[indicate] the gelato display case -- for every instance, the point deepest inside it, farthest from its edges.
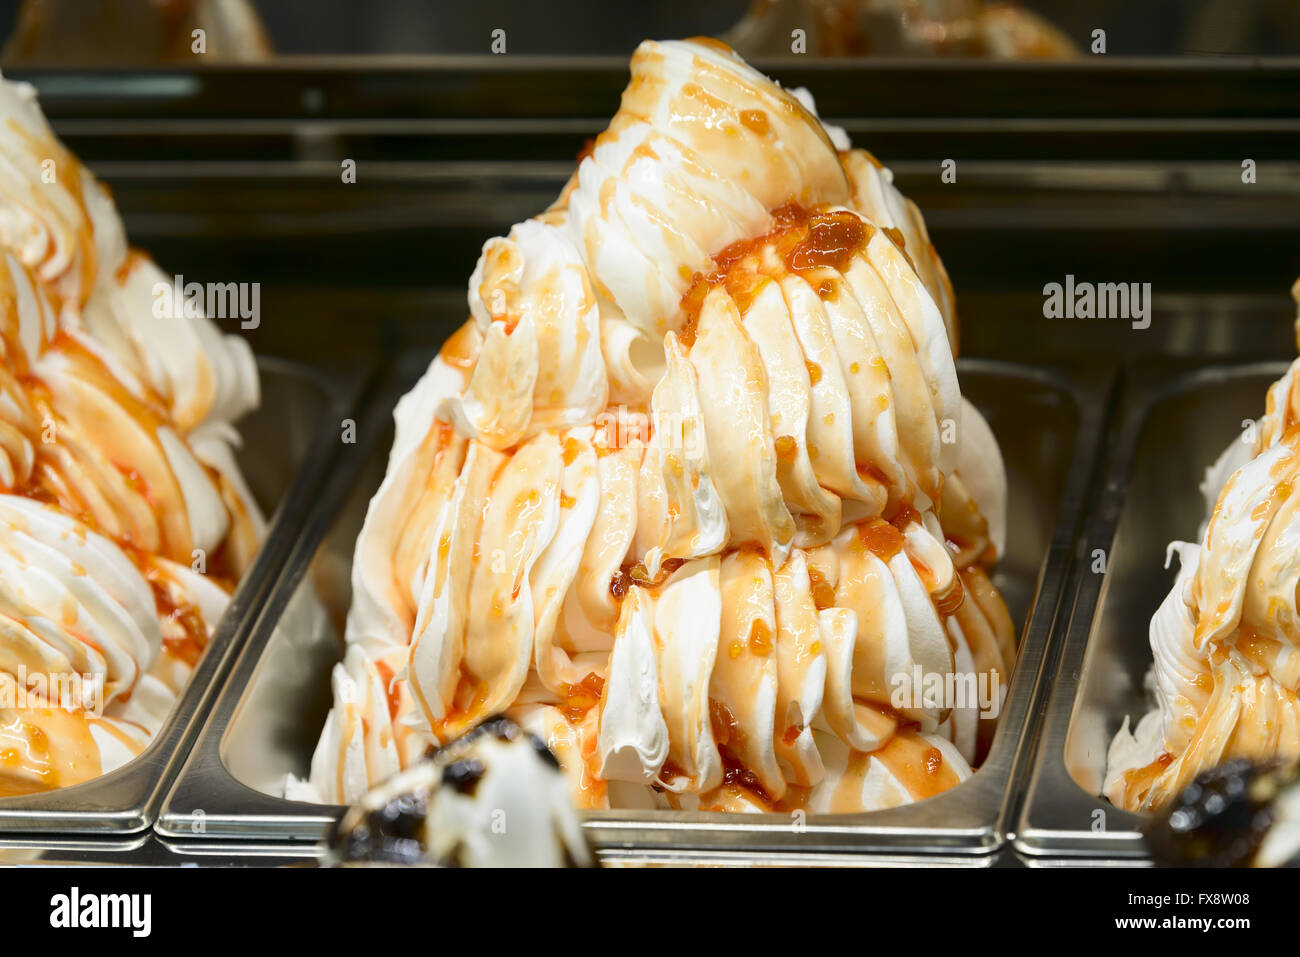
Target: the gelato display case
(232, 787)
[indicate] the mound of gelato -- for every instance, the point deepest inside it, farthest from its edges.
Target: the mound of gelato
(693, 495)
(1226, 658)
(124, 520)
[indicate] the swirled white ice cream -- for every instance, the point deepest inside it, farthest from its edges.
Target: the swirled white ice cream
(1226, 640)
(123, 517)
(694, 494)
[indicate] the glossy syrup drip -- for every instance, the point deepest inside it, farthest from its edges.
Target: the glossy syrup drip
(44, 748)
(806, 242)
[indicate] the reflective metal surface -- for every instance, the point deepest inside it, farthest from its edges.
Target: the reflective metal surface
(266, 721)
(293, 432)
(144, 850)
(1171, 432)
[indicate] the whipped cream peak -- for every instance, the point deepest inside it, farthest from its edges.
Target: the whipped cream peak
(694, 486)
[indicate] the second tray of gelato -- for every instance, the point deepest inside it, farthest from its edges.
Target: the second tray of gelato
(1225, 667)
(124, 518)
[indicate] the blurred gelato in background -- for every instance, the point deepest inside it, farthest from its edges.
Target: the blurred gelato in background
(967, 28)
(133, 33)
(85, 33)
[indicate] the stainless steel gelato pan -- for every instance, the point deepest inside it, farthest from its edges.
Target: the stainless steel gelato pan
(268, 717)
(294, 432)
(1170, 432)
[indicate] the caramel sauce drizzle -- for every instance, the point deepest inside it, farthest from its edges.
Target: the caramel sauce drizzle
(47, 748)
(806, 242)
(816, 244)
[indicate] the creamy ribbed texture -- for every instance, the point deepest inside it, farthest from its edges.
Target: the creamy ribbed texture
(123, 518)
(681, 495)
(1226, 641)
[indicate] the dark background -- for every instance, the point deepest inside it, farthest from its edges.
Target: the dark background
(336, 27)
(1106, 168)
